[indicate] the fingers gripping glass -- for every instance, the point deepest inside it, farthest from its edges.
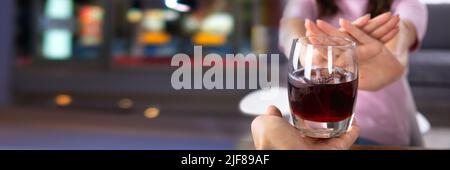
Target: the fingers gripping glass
(323, 83)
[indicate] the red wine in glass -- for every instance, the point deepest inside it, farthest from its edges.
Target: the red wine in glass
(325, 97)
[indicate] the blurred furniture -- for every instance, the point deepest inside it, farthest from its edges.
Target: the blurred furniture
(6, 50)
(429, 73)
(430, 65)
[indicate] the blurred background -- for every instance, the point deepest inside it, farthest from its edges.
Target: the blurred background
(95, 74)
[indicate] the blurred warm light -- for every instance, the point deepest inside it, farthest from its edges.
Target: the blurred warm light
(151, 112)
(125, 103)
(134, 15)
(204, 38)
(154, 38)
(63, 100)
(154, 20)
(91, 20)
(218, 23)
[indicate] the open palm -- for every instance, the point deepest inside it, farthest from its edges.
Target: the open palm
(371, 52)
(271, 131)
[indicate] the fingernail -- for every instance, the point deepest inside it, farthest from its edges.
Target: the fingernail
(368, 15)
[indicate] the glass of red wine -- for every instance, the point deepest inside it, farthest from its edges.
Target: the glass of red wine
(322, 85)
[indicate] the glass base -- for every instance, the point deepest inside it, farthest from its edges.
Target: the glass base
(321, 129)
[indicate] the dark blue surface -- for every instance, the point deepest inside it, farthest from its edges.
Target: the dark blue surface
(102, 141)
(6, 49)
(362, 141)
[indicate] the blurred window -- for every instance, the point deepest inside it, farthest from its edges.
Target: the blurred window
(138, 31)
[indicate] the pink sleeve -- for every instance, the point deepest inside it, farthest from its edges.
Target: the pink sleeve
(416, 13)
(304, 9)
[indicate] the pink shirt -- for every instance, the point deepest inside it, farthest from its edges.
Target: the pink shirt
(386, 116)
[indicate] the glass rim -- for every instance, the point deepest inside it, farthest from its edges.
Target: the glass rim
(350, 43)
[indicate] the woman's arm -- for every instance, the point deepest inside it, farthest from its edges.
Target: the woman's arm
(378, 67)
(413, 25)
(290, 28)
(402, 43)
(392, 62)
(294, 27)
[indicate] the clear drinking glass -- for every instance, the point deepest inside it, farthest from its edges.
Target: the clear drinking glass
(323, 84)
